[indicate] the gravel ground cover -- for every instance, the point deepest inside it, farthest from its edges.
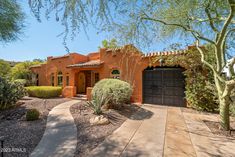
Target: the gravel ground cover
(20, 135)
(90, 136)
(214, 126)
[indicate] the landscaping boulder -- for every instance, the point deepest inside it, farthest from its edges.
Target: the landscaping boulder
(99, 120)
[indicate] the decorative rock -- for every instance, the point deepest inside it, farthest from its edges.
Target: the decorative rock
(99, 120)
(105, 107)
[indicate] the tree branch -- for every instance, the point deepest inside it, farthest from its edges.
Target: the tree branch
(207, 10)
(229, 86)
(207, 63)
(212, 18)
(227, 22)
(221, 39)
(231, 64)
(180, 26)
(228, 32)
(224, 40)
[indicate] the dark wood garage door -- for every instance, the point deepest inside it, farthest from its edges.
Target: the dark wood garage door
(164, 86)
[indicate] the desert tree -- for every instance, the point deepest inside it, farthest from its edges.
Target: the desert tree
(11, 20)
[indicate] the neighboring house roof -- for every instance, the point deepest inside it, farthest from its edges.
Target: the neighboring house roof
(36, 66)
(58, 57)
(164, 53)
(92, 63)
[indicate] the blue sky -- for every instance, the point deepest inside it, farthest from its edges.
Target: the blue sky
(41, 40)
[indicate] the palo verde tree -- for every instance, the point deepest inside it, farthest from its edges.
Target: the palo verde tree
(11, 20)
(143, 22)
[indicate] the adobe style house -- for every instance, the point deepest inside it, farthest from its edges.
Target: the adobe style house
(77, 74)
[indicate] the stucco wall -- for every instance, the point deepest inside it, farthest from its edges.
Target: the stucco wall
(129, 62)
(54, 65)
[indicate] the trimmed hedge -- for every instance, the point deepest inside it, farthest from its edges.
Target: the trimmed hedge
(44, 91)
(117, 92)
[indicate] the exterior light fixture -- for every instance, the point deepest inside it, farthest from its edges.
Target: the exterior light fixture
(162, 62)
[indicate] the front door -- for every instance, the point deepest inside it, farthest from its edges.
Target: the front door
(81, 83)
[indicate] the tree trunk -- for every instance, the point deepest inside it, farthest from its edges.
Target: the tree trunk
(224, 102)
(224, 113)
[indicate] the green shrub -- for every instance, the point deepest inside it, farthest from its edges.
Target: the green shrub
(23, 82)
(198, 93)
(44, 91)
(32, 114)
(115, 91)
(10, 93)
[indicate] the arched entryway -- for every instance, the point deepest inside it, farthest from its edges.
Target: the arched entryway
(164, 86)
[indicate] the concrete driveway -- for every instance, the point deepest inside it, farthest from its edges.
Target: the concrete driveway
(165, 131)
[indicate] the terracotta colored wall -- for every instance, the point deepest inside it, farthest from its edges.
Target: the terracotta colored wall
(94, 56)
(69, 91)
(54, 65)
(130, 65)
(88, 93)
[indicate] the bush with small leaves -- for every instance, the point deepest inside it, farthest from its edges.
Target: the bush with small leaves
(116, 91)
(23, 82)
(198, 94)
(10, 93)
(32, 114)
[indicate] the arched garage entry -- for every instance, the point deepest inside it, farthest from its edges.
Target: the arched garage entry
(164, 86)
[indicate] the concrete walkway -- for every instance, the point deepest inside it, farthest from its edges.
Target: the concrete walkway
(205, 143)
(156, 131)
(142, 135)
(60, 136)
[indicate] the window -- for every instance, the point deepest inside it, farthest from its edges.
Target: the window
(37, 80)
(52, 79)
(97, 77)
(115, 74)
(60, 79)
(67, 80)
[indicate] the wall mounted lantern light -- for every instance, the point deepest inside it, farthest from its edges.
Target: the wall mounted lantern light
(162, 62)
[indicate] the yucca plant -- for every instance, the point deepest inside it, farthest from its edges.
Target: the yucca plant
(97, 102)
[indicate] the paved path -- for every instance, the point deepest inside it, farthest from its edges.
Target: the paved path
(60, 136)
(156, 131)
(205, 143)
(142, 135)
(177, 139)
